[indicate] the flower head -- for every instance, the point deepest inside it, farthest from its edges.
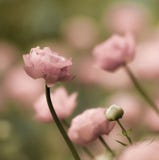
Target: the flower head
(114, 112)
(63, 103)
(44, 63)
(89, 125)
(115, 52)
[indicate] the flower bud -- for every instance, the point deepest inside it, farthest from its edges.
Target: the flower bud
(114, 112)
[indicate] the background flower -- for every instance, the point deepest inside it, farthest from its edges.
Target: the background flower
(63, 103)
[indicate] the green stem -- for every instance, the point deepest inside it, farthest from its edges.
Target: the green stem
(124, 131)
(106, 146)
(59, 125)
(85, 149)
(141, 90)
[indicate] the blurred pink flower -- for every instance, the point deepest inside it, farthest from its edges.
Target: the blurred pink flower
(89, 74)
(63, 103)
(8, 56)
(44, 63)
(146, 63)
(89, 125)
(132, 108)
(147, 150)
(115, 52)
(80, 32)
(126, 17)
(151, 119)
(19, 86)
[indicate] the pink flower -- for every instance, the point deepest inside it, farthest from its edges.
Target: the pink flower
(20, 87)
(44, 63)
(123, 17)
(89, 125)
(151, 119)
(147, 150)
(146, 63)
(89, 74)
(63, 103)
(80, 32)
(115, 52)
(8, 56)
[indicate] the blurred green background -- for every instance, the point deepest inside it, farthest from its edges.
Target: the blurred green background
(26, 24)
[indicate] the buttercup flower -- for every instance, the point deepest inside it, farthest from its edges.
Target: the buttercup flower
(89, 125)
(47, 64)
(63, 103)
(115, 52)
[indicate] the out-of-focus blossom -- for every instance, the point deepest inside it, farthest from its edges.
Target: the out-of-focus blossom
(151, 119)
(115, 52)
(7, 56)
(44, 63)
(63, 103)
(81, 32)
(89, 125)
(147, 150)
(146, 62)
(89, 74)
(132, 108)
(126, 18)
(19, 86)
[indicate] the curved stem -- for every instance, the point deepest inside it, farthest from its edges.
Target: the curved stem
(106, 145)
(124, 131)
(59, 125)
(141, 90)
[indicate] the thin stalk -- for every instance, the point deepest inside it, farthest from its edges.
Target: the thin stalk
(106, 146)
(59, 125)
(141, 90)
(85, 149)
(124, 131)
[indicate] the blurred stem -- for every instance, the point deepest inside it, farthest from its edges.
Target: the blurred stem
(106, 146)
(141, 90)
(59, 125)
(85, 149)
(124, 132)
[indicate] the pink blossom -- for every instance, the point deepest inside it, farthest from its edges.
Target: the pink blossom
(151, 119)
(44, 63)
(124, 17)
(90, 74)
(8, 56)
(80, 32)
(89, 125)
(115, 52)
(19, 86)
(63, 103)
(146, 63)
(147, 150)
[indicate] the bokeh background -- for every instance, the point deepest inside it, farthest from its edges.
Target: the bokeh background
(72, 28)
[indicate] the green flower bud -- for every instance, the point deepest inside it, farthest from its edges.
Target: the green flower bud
(114, 112)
